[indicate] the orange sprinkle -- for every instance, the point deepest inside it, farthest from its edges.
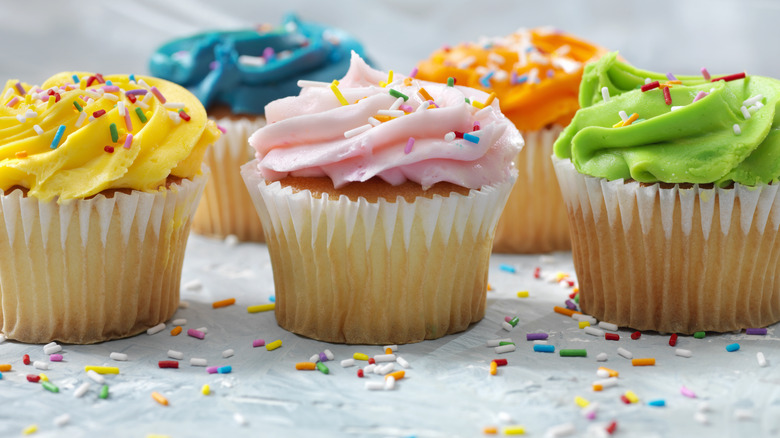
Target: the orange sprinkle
(612, 373)
(493, 368)
(490, 98)
(176, 330)
(565, 311)
(631, 119)
(576, 290)
(159, 398)
(305, 366)
(388, 351)
(21, 154)
(490, 430)
(223, 303)
(489, 287)
(408, 82)
(597, 387)
(397, 375)
(383, 118)
(5, 367)
(643, 362)
(425, 94)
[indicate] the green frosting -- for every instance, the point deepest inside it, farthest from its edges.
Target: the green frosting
(693, 144)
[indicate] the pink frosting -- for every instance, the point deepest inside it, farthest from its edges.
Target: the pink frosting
(305, 134)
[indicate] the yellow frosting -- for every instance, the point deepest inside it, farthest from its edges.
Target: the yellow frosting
(81, 163)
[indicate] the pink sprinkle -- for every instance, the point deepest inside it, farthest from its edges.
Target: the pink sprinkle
(409, 145)
(13, 102)
(477, 126)
(591, 415)
(55, 357)
(258, 343)
(212, 370)
(413, 73)
(700, 95)
(129, 139)
(20, 88)
(224, 131)
(196, 333)
(430, 102)
(405, 108)
(687, 392)
(110, 88)
(507, 318)
(268, 53)
(128, 123)
(705, 73)
(159, 95)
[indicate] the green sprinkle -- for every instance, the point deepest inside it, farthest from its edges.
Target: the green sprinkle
(141, 115)
(321, 366)
(78, 107)
(577, 298)
(506, 343)
(699, 335)
(450, 82)
(574, 353)
(114, 133)
(514, 321)
(50, 386)
(396, 93)
(104, 392)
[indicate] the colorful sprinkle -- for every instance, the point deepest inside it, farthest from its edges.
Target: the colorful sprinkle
(667, 96)
(157, 94)
(580, 352)
(523, 294)
(650, 86)
(58, 136)
(176, 331)
(196, 333)
(258, 343)
(305, 366)
(636, 335)
(756, 331)
(450, 82)
(103, 392)
(643, 362)
(274, 345)
(223, 303)
(542, 348)
(396, 93)
(129, 138)
(261, 308)
(335, 89)
(732, 347)
(728, 78)
(705, 73)
(700, 95)
(159, 398)
(101, 369)
(109, 149)
(409, 145)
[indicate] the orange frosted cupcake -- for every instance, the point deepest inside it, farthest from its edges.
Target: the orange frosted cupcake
(535, 74)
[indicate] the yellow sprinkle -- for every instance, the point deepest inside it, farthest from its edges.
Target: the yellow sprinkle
(522, 294)
(490, 98)
(477, 104)
(514, 430)
(43, 377)
(618, 124)
(102, 370)
(424, 93)
(261, 308)
(383, 118)
(584, 324)
(632, 397)
(338, 94)
(493, 368)
(83, 85)
(28, 98)
(159, 398)
(382, 84)
(390, 77)
(581, 402)
(52, 99)
(560, 276)
(29, 430)
(274, 345)
(335, 82)
(360, 356)
(205, 390)
(576, 289)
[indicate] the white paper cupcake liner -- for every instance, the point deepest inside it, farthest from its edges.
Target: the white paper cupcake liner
(534, 219)
(91, 270)
(679, 259)
(226, 208)
(377, 272)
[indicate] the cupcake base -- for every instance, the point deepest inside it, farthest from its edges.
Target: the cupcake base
(383, 272)
(674, 259)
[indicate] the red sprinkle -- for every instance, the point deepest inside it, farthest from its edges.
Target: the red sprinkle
(650, 86)
(573, 294)
(131, 98)
(184, 115)
(360, 372)
(537, 272)
(109, 149)
(26, 359)
(100, 79)
(458, 134)
(611, 428)
(667, 96)
(98, 113)
(500, 362)
(728, 78)
(33, 378)
(90, 80)
(570, 283)
(612, 336)
(625, 399)
(168, 364)
(371, 361)
(636, 335)
(673, 340)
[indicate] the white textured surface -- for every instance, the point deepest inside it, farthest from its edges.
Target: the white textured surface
(447, 392)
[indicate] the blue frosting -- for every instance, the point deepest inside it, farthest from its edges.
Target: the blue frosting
(230, 68)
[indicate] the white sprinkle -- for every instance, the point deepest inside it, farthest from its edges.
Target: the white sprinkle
(623, 115)
(505, 349)
(227, 353)
(156, 329)
(745, 112)
(198, 362)
(389, 383)
(303, 84)
(495, 57)
(590, 319)
(111, 97)
(347, 363)
(391, 113)
(184, 304)
(753, 100)
(202, 329)
(761, 359)
(79, 122)
(142, 104)
(359, 130)
(533, 76)
(193, 285)
(753, 109)
(329, 354)
(120, 107)
(20, 118)
(49, 345)
(737, 131)
(504, 417)
(373, 122)
(41, 365)
(423, 106)
(384, 369)
(501, 75)
(174, 116)
(179, 321)
(368, 369)
(607, 383)
(92, 374)
(593, 331)
(450, 136)
(401, 361)
(743, 414)
(560, 430)
(314, 358)
(384, 358)
(495, 342)
(608, 326)
(38, 130)
(701, 417)
(392, 348)
(61, 420)
(602, 373)
(683, 352)
(173, 354)
(30, 114)
(466, 63)
(374, 385)
(605, 94)
(91, 119)
(625, 353)
(602, 357)
(507, 326)
(173, 105)
(143, 83)
(2, 338)
(590, 409)
(239, 419)
(8, 93)
(118, 356)
(81, 390)
(676, 107)
(647, 80)
(540, 342)
(398, 102)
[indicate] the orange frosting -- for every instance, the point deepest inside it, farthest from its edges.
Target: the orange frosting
(534, 73)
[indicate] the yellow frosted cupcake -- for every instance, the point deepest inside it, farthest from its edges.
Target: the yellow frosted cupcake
(100, 178)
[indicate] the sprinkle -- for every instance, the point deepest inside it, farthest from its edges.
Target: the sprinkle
(565, 311)
(650, 86)
(761, 359)
(625, 353)
(141, 115)
(205, 389)
(612, 336)
(196, 333)
(573, 352)
(450, 82)
(659, 403)
(49, 386)
(605, 94)
(737, 131)
(745, 112)
(523, 294)
(359, 356)
(261, 308)
(54, 358)
(700, 95)
(359, 130)
(705, 73)
(38, 130)
(729, 78)
(409, 145)
(608, 326)
(223, 303)
(750, 101)
(667, 96)
(643, 362)
(32, 378)
(82, 117)
(505, 349)
(157, 94)
(500, 362)
(198, 362)
(401, 361)
(636, 335)
(535, 336)
(13, 102)
(258, 343)
(396, 93)
(322, 368)
(390, 113)
(623, 115)
(732, 347)
(92, 374)
(631, 119)
(508, 268)
(20, 88)
(159, 398)
(485, 80)
(21, 154)
(606, 372)
(212, 370)
(186, 117)
(673, 340)
(471, 137)
(274, 345)
(539, 348)
(581, 402)
(62, 419)
(29, 430)
(226, 369)
(683, 353)
(671, 77)
(687, 392)
(514, 430)
(109, 149)
(334, 88)
(101, 369)
(41, 365)
(57, 137)
(156, 329)
(631, 397)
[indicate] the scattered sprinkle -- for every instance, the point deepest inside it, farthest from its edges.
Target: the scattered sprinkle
(261, 308)
(223, 303)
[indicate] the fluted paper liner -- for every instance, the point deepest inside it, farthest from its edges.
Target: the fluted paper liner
(226, 208)
(679, 259)
(534, 219)
(380, 272)
(92, 270)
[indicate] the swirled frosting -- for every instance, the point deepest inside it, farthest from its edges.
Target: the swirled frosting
(80, 133)
(424, 140)
(246, 69)
(535, 73)
(704, 131)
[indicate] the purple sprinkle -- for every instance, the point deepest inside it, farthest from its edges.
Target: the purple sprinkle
(212, 370)
(138, 91)
(258, 343)
(406, 108)
(196, 333)
(700, 95)
(513, 79)
(413, 73)
(55, 357)
(22, 92)
(755, 331)
(268, 53)
(671, 77)
(570, 305)
(550, 73)
(110, 88)
(409, 145)
(591, 415)
(323, 357)
(535, 336)
(213, 65)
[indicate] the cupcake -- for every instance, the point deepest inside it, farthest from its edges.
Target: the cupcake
(235, 74)
(671, 188)
(535, 75)
(380, 197)
(100, 178)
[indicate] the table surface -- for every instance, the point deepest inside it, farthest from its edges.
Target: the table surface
(447, 391)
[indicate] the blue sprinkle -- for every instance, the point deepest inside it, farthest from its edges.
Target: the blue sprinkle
(732, 347)
(522, 79)
(225, 369)
(506, 268)
(485, 80)
(132, 78)
(542, 348)
(272, 298)
(471, 137)
(75, 79)
(109, 83)
(58, 137)
(1, 376)
(658, 403)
